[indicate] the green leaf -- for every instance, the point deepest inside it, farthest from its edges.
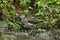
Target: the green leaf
(13, 13)
(17, 26)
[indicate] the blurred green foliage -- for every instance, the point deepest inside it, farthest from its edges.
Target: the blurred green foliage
(47, 10)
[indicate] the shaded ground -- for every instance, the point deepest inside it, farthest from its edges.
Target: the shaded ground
(40, 34)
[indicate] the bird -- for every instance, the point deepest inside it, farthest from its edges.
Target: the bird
(29, 21)
(25, 20)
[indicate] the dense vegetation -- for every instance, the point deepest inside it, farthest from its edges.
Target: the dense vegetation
(43, 14)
